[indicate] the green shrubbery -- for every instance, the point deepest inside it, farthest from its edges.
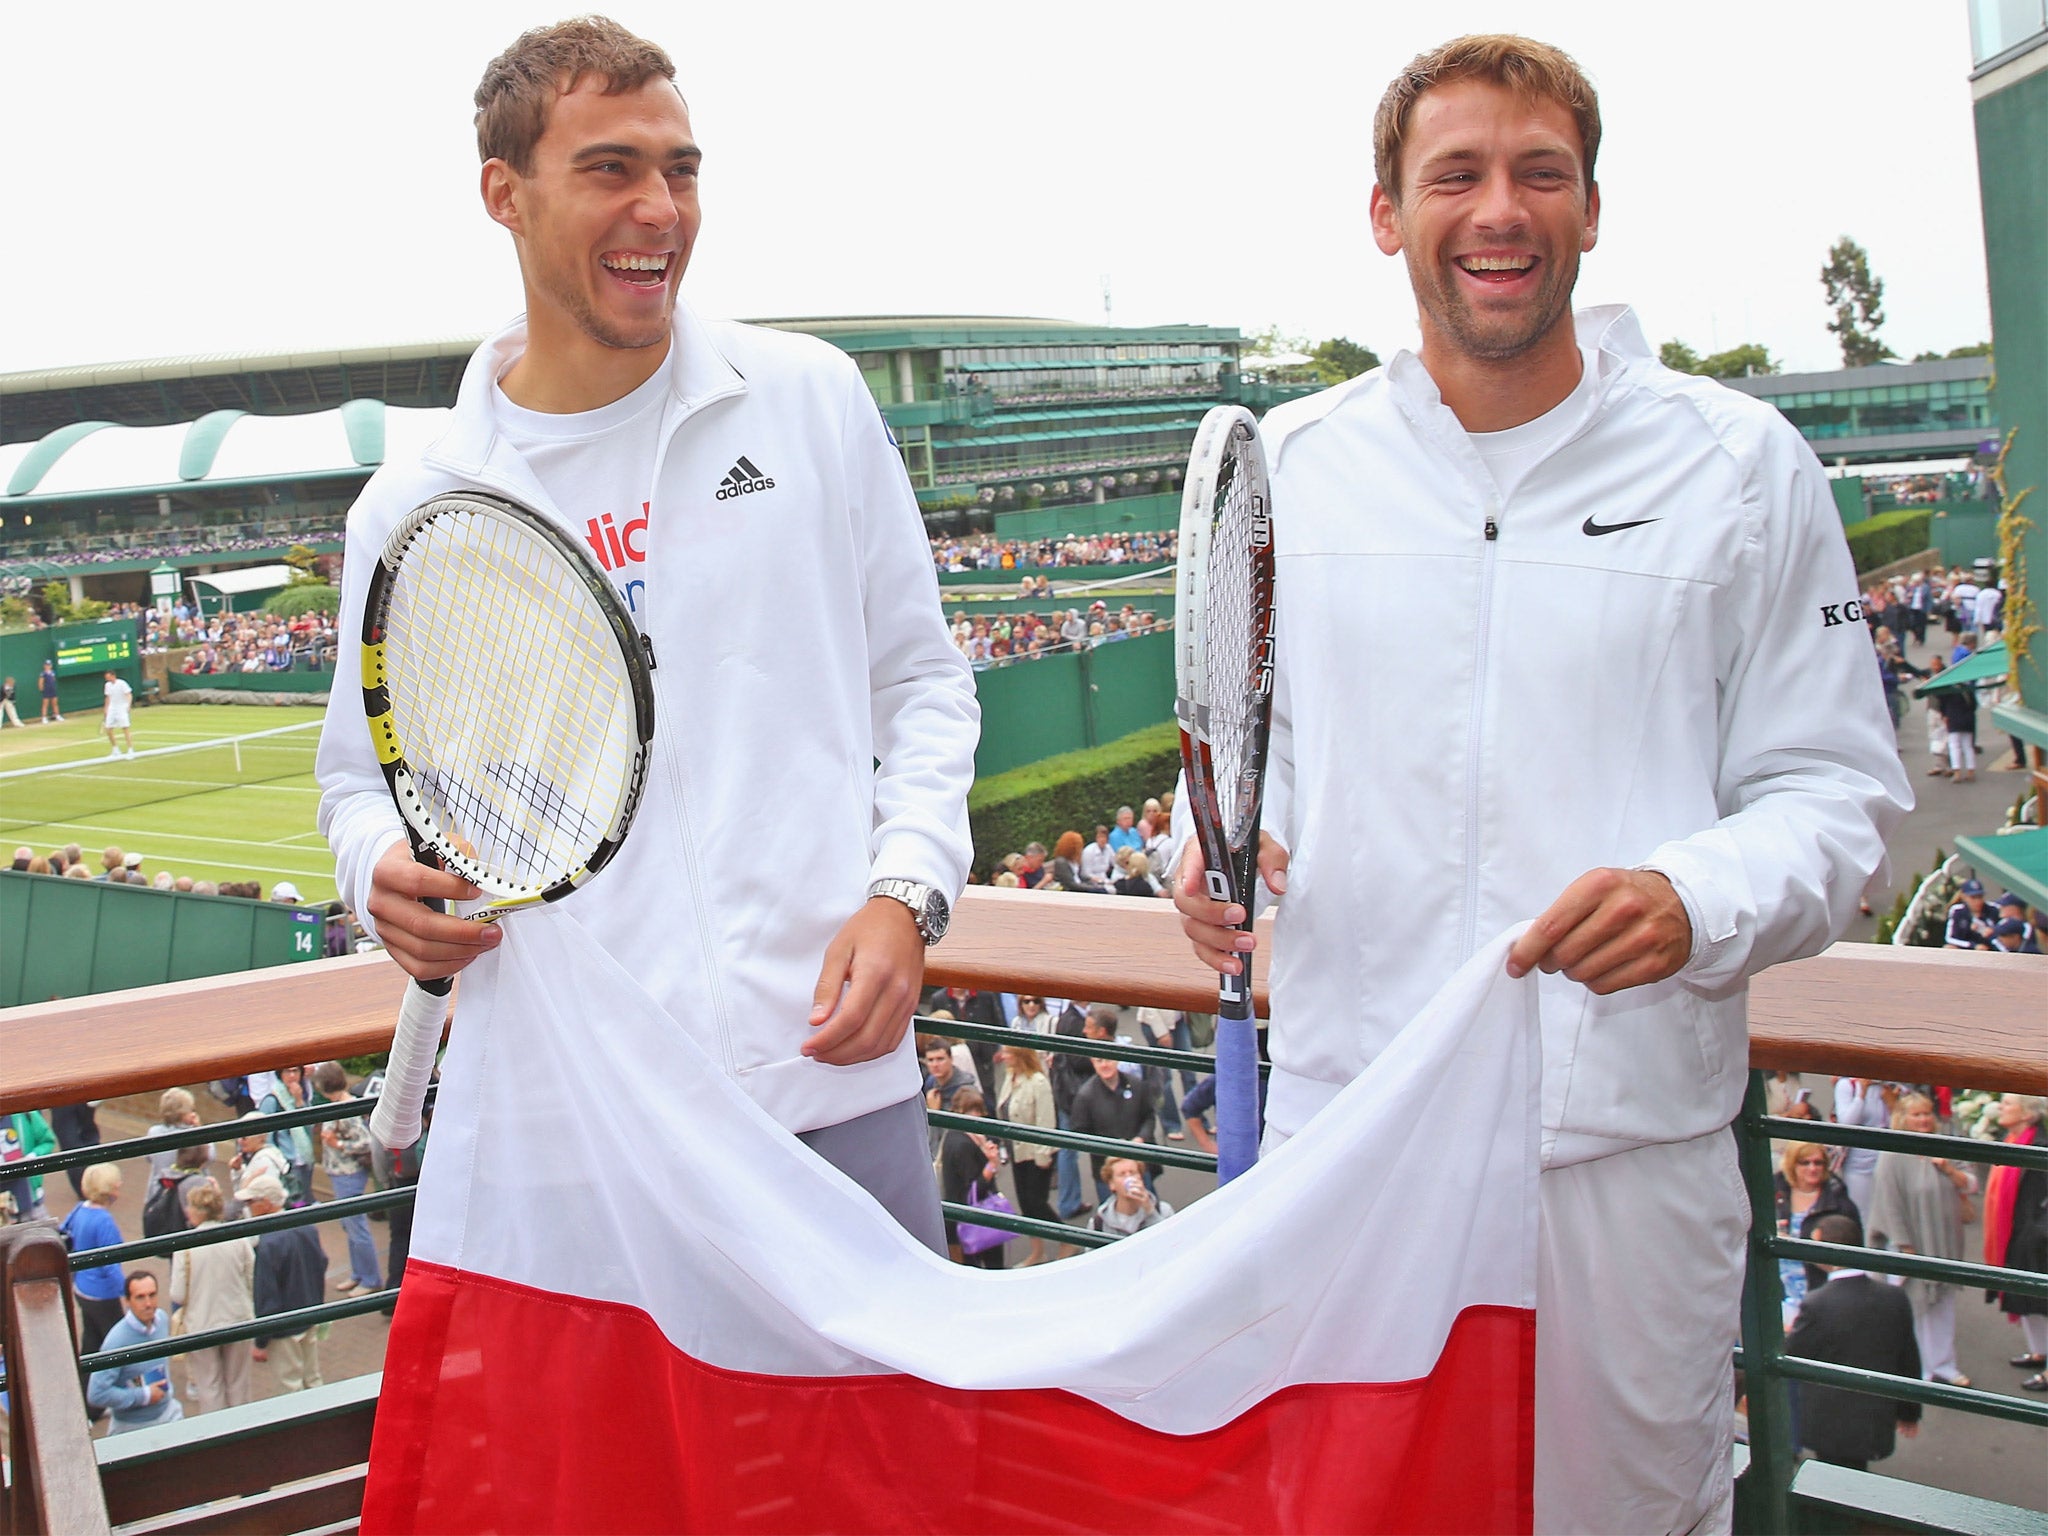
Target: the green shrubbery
(1889, 536)
(303, 597)
(1075, 790)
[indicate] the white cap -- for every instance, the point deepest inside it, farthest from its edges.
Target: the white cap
(284, 890)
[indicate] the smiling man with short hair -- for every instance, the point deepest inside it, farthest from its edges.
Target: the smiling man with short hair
(1641, 728)
(721, 475)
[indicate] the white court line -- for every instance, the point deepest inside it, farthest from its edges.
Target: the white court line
(129, 835)
(286, 842)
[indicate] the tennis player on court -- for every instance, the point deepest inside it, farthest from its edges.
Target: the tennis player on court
(1642, 718)
(725, 476)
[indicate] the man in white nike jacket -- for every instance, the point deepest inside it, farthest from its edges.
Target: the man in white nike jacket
(723, 475)
(1645, 719)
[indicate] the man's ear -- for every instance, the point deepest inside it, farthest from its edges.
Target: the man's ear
(1386, 228)
(500, 188)
(1592, 235)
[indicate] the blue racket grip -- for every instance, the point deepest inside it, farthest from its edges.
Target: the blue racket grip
(1237, 1088)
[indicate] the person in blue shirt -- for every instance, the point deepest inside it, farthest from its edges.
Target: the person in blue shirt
(1125, 835)
(138, 1395)
(91, 1224)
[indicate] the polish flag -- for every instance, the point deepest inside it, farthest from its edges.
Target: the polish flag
(635, 1303)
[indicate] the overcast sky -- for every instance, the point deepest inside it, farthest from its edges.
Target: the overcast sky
(228, 177)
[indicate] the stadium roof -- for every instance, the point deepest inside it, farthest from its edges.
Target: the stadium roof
(159, 391)
(89, 458)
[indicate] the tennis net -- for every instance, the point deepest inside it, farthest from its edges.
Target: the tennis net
(71, 792)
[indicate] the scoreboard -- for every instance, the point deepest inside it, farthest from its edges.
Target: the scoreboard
(113, 647)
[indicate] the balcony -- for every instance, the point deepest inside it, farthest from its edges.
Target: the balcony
(297, 1463)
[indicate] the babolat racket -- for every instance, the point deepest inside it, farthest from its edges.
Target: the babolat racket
(511, 708)
(1224, 675)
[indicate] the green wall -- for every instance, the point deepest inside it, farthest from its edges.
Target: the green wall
(70, 938)
(1126, 514)
(1966, 532)
(1038, 709)
(1849, 500)
(23, 653)
(254, 682)
(2012, 174)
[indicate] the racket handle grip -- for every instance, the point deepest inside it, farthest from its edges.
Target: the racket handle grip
(395, 1122)
(1237, 1089)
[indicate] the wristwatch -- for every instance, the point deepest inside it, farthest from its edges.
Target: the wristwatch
(926, 904)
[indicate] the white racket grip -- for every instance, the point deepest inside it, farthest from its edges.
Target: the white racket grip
(395, 1122)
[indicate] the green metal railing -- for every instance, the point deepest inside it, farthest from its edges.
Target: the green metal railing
(1776, 1492)
(1078, 1141)
(275, 1325)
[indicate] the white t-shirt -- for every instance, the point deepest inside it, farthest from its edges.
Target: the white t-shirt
(599, 468)
(118, 695)
(1511, 453)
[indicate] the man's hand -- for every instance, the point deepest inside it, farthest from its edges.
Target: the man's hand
(868, 986)
(425, 943)
(1211, 926)
(1612, 928)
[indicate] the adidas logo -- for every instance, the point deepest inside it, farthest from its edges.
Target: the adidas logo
(743, 479)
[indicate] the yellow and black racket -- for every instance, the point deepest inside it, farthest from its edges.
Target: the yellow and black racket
(511, 707)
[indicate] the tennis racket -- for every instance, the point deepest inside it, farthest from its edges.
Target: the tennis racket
(511, 708)
(1223, 672)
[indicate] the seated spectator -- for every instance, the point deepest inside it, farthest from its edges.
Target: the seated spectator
(137, 1396)
(1098, 861)
(1137, 877)
(1064, 873)
(1856, 1319)
(1131, 1207)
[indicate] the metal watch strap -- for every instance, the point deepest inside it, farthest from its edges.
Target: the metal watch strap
(918, 897)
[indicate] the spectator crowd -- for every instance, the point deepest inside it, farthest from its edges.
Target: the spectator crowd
(983, 552)
(1000, 639)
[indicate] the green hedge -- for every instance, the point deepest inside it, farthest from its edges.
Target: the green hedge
(1075, 790)
(1889, 536)
(303, 597)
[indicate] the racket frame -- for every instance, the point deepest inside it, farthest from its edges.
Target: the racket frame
(430, 844)
(1227, 445)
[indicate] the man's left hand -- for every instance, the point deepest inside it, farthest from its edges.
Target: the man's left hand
(1612, 928)
(867, 989)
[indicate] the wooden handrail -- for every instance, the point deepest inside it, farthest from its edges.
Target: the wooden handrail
(56, 1487)
(1914, 1015)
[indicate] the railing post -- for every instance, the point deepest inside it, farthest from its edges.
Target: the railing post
(1763, 1497)
(56, 1483)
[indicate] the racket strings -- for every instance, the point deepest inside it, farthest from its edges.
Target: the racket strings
(509, 694)
(1233, 615)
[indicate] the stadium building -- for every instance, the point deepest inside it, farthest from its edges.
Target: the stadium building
(1890, 413)
(1025, 427)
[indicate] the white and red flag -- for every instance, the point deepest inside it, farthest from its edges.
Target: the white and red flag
(635, 1303)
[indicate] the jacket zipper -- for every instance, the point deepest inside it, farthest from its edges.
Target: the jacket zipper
(1470, 937)
(665, 749)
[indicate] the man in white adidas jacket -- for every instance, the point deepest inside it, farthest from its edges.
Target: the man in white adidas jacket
(727, 477)
(1640, 714)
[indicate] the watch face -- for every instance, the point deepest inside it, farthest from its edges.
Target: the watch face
(936, 915)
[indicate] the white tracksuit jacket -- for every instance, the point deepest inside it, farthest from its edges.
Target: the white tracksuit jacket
(798, 643)
(1465, 724)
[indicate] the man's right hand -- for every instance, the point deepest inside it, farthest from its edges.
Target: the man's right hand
(425, 943)
(1211, 926)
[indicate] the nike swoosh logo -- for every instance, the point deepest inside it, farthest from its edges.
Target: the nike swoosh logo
(1593, 530)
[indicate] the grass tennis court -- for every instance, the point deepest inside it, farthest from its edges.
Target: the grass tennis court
(244, 831)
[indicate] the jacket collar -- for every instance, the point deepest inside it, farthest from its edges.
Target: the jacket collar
(698, 371)
(1610, 340)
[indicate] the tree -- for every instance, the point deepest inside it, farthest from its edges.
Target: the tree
(1857, 298)
(1974, 349)
(1676, 354)
(1738, 362)
(1341, 358)
(1751, 357)
(1271, 342)
(64, 611)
